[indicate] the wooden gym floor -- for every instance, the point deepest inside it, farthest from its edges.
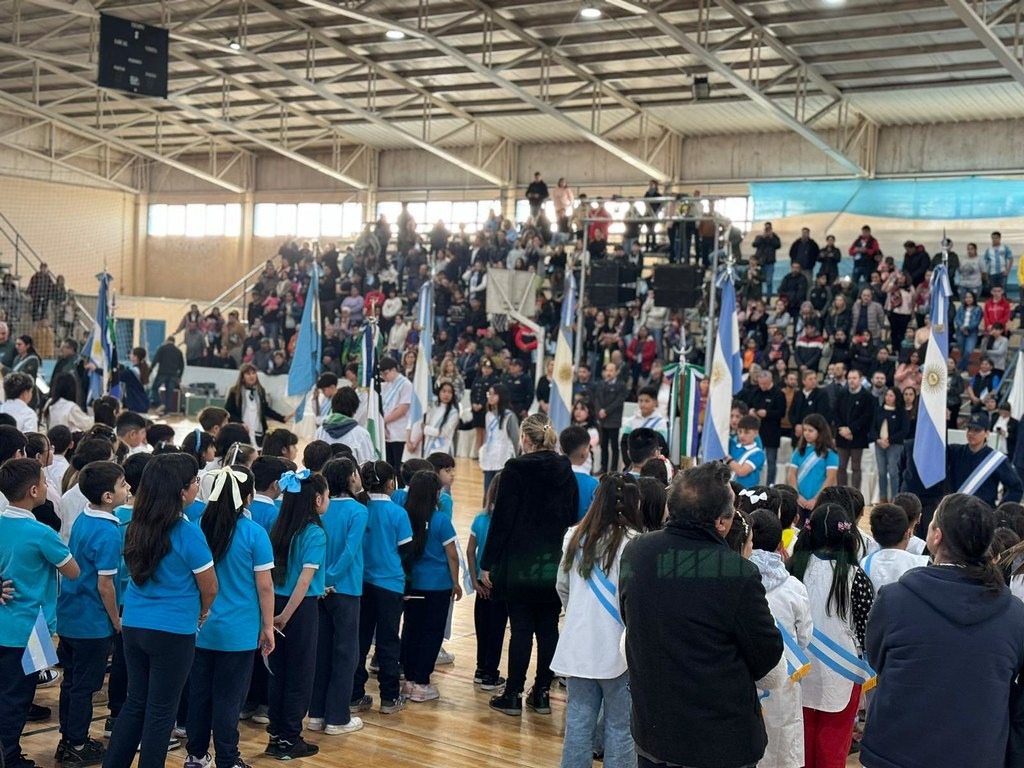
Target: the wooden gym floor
(456, 731)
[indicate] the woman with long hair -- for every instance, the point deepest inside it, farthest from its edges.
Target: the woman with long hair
(815, 462)
(840, 595)
(910, 399)
(62, 410)
(300, 545)
(888, 431)
(588, 653)
(433, 586)
(241, 620)
(435, 433)
(967, 322)
(26, 359)
(501, 441)
(538, 500)
(953, 627)
(247, 404)
(173, 584)
(338, 639)
(583, 416)
(449, 374)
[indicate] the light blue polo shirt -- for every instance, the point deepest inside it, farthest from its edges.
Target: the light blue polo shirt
(234, 622)
(30, 554)
(169, 600)
(124, 516)
(387, 529)
(264, 511)
(588, 487)
(96, 546)
(345, 524)
(307, 550)
(810, 485)
(479, 530)
(752, 455)
(445, 504)
(430, 570)
(194, 511)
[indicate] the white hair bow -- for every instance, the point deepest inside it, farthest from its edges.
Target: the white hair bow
(221, 477)
(754, 497)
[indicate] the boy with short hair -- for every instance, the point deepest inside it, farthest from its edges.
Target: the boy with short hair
(62, 444)
(19, 388)
(891, 528)
(212, 418)
(575, 444)
(87, 614)
(31, 554)
(647, 415)
(131, 430)
(266, 472)
(910, 504)
(326, 387)
(315, 455)
(341, 426)
(746, 458)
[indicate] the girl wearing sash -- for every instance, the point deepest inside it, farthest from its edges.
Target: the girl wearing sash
(588, 654)
(840, 594)
(815, 461)
(501, 434)
(436, 432)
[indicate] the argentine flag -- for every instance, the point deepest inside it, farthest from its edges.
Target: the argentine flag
(39, 652)
(368, 362)
(561, 391)
(726, 375)
(930, 437)
(306, 362)
(422, 380)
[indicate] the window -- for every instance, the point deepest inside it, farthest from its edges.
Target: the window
(331, 220)
(195, 220)
(739, 209)
(264, 223)
(285, 220)
(308, 220)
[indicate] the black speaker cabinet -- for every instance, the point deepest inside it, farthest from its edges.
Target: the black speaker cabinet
(678, 286)
(612, 284)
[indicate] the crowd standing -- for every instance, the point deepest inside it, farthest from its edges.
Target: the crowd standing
(713, 616)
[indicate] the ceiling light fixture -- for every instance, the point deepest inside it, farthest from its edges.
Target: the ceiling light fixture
(590, 11)
(234, 45)
(701, 88)
(394, 34)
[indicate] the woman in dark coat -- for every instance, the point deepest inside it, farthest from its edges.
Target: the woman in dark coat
(247, 404)
(537, 501)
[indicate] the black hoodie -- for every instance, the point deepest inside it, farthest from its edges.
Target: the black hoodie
(946, 650)
(537, 501)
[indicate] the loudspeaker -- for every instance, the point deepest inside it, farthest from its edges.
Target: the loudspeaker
(612, 284)
(678, 286)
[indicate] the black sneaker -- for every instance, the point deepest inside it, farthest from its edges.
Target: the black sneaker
(108, 727)
(37, 713)
(363, 704)
(478, 677)
(21, 762)
(490, 682)
(539, 701)
(273, 747)
(509, 703)
(287, 750)
(90, 753)
(58, 756)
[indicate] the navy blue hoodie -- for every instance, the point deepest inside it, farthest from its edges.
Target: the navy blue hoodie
(946, 650)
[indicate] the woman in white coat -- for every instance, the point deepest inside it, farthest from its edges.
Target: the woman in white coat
(435, 432)
(588, 653)
(787, 598)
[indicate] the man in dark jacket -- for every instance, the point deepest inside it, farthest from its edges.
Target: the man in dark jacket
(765, 246)
(855, 409)
(915, 262)
(794, 288)
(810, 399)
(536, 194)
(769, 405)
(169, 364)
(693, 671)
(520, 388)
(609, 397)
(805, 252)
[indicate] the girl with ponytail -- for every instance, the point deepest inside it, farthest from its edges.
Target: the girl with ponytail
(840, 594)
(588, 653)
(241, 619)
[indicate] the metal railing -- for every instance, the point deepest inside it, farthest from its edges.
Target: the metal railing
(232, 297)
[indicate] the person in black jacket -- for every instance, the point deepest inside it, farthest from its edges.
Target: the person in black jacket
(769, 405)
(693, 670)
(855, 408)
(810, 399)
(915, 262)
(537, 501)
(889, 429)
(247, 404)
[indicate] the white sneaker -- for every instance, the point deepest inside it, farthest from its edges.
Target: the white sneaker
(198, 762)
(421, 693)
(407, 687)
(353, 725)
(179, 732)
(172, 743)
(48, 678)
(261, 716)
(315, 724)
(443, 657)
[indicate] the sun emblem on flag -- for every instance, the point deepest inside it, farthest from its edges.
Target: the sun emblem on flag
(934, 379)
(718, 372)
(563, 375)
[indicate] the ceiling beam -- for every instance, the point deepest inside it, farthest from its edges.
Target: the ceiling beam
(329, 95)
(110, 183)
(743, 85)
(490, 75)
(987, 36)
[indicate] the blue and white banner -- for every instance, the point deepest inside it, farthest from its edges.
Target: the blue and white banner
(368, 363)
(39, 651)
(305, 367)
(725, 375)
(841, 661)
(561, 391)
(930, 437)
(422, 379)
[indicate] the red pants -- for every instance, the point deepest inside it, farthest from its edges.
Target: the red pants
(827, 735)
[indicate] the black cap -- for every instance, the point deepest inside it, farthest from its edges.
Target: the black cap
(978, 421)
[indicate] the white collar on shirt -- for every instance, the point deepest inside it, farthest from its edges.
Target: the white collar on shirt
(379, 497)
(99, 514)
(18, 512)
(247, 514)
(579, 469)
(261, 497)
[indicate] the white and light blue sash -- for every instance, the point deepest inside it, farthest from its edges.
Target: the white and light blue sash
(841, 661)
(798, 663)
(810, 462)
(982, 472)
(603, 589)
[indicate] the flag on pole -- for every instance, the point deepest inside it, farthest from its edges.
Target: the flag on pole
(101, 340)
(726, 375)
(368, 362)
(1017, 389)
(39, 652)
(930, 437)
(305, 368)
(561, 392)
(689, 420)
(422, 379)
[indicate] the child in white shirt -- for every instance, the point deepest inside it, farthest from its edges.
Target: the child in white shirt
(912, 506)
(892, 531)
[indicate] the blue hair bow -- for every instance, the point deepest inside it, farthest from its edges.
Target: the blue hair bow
(291, 482)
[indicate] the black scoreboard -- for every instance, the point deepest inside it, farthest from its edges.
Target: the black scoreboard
(133, 57)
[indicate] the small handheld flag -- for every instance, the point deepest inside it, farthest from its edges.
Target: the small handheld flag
(39, 651)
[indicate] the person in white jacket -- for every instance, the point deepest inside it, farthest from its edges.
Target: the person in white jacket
(787, 598)
(891, 528)
(435, 432)
(588, 654)
(62, 409)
